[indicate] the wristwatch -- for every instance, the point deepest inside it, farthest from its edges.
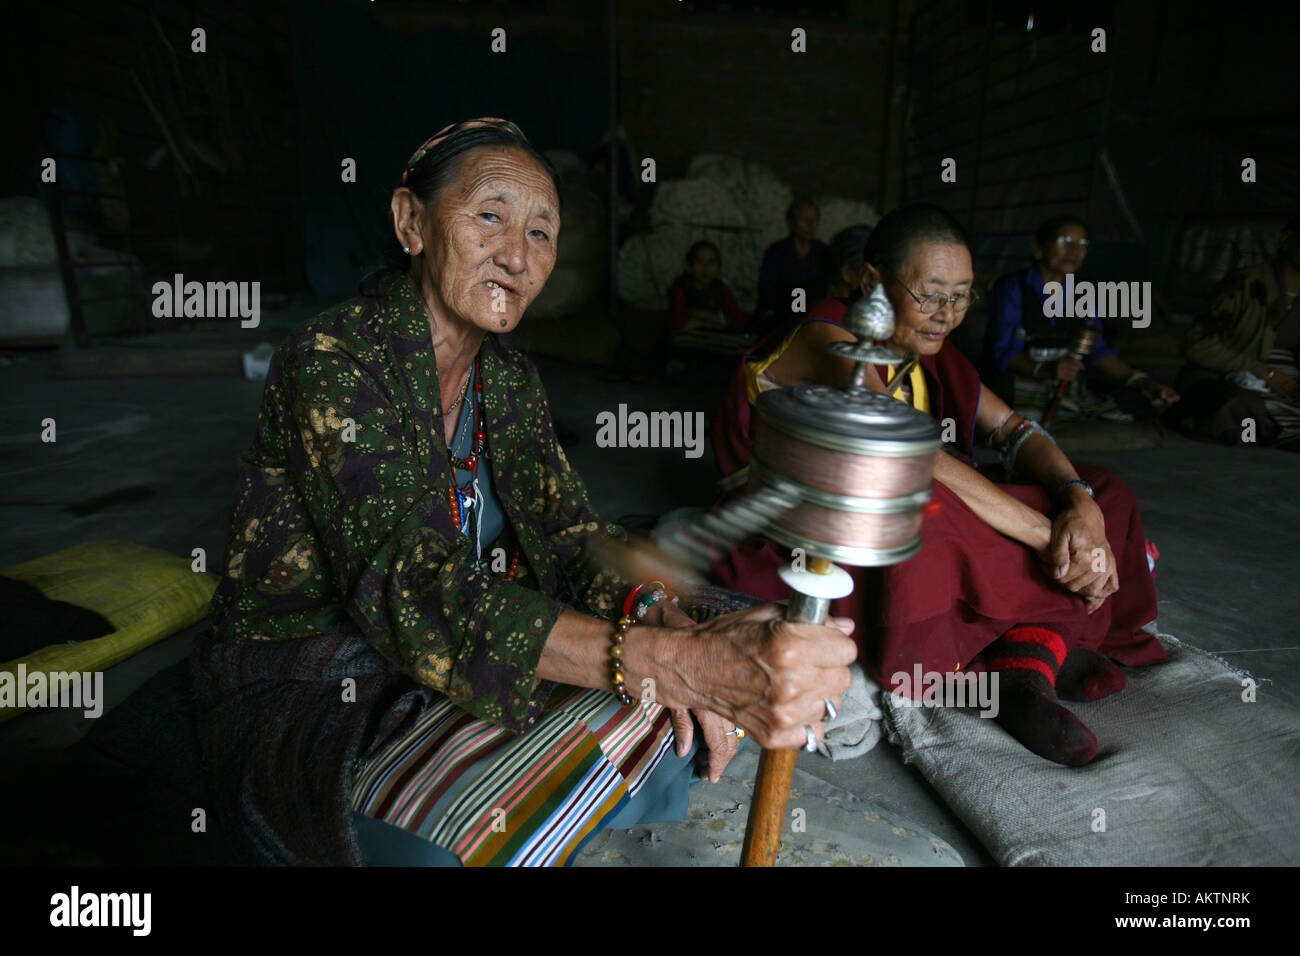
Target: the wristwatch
(1076, 481)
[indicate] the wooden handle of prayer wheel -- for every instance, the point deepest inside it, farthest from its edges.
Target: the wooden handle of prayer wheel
(1081, 346)
(776, 767)
(767, 815)
(1049, 415)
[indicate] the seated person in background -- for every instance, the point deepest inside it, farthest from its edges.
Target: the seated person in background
(1242, 354)
(843, 278)
(1041, 582)
(843, 274)
(698, 299)
(844, 263)
(795, 262)
(1025, 350)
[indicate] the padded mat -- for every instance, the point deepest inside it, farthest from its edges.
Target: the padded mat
(145, 593)
(1189, 773)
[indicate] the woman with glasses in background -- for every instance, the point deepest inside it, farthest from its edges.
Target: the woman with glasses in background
(1044, 582)
(1026, 351)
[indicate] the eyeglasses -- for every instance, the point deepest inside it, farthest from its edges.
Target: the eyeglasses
(935, 301)
(1071, 241)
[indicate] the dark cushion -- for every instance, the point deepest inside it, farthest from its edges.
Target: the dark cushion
(144, 758)
(29, 621)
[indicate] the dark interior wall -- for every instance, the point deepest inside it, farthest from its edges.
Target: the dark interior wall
(694, 79)
(1202, 93)
(1145, 140)
(199, 146)
(372, 83)
(229, 160)
(1020, 107)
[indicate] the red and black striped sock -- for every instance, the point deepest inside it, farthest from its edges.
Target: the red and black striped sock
(1027, 660)
(1031, 649)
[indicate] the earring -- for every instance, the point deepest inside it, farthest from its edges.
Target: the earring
(406, 249)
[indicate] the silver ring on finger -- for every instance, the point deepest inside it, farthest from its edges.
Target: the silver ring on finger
(811, 745)
(831, 710)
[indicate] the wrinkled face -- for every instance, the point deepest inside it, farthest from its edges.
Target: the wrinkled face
(943, 267)
(804, 223)
(1064, 255)
(703, 268)
(490, 241)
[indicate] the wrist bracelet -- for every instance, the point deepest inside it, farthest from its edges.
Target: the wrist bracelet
(649, 599)
(1019, 435)
(1060, 489)
(1001, 425)
(616, 661)
(1135, 377)
(658, 591)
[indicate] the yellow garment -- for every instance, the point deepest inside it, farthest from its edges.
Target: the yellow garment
(920, 394)
(755, 384)
(145, 593)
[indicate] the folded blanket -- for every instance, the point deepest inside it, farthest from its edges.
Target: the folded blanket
(857, 726)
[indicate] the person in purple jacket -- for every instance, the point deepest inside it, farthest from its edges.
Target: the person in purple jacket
(1025, 353)
(796, 262)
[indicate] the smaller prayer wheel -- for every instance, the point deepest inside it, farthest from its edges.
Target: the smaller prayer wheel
(1082, 341)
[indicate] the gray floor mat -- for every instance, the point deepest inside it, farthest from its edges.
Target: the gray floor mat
(1189, 774)
(826, 826)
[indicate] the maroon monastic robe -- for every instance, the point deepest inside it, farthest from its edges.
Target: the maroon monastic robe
(969, 584)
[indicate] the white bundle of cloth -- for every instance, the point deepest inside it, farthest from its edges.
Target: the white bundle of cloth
(737, 205)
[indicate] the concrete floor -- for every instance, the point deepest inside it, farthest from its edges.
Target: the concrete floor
(153, 460)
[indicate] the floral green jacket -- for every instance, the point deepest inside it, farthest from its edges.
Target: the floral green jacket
(342, 518)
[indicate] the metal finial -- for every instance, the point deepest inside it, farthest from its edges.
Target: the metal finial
(871, 319)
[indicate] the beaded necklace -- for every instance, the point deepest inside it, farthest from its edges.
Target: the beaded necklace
(463, 498)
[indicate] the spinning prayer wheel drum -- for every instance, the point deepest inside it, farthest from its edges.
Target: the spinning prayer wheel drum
(860, 463)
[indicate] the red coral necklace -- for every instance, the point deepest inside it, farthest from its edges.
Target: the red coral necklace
(461, 498)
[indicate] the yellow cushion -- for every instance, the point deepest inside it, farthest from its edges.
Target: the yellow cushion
(146, 594)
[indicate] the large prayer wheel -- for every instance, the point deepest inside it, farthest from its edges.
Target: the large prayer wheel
(860, 463)
(843, 474)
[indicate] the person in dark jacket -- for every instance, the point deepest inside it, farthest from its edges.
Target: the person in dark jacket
(797, 262)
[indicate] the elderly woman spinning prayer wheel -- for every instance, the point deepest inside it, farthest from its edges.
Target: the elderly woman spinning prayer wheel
(415, 654)
(1043, 582)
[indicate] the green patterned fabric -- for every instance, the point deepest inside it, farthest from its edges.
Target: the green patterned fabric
(342, 516)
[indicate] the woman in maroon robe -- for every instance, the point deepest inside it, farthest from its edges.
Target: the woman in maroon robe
(1046, 583)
